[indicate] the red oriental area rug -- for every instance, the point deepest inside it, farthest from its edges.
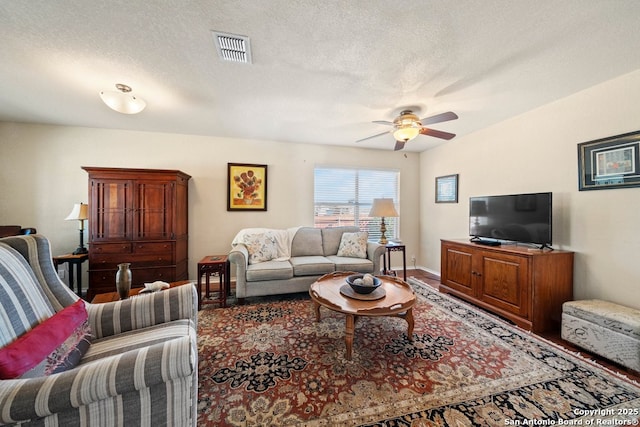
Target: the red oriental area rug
(272, 364)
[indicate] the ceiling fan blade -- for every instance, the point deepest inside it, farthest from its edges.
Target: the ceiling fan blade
(382, 122)
(442, 117)
(399, 145)
(437, 133)
(373, 136)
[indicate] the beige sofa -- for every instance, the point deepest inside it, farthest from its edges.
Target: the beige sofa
(313, 252)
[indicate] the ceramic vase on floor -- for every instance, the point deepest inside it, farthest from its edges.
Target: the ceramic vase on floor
(123, 280)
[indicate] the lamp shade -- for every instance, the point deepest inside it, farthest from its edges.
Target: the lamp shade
(383, 208)
(80, 211)
(122, 100)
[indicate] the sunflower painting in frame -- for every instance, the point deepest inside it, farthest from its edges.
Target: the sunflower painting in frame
(246, 187)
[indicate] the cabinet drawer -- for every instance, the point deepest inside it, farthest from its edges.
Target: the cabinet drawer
(110, 248)
(106, 279)
(152, 247)
(152, 259)
(147, 275)
(107, 261)
(111, 261)
(103, 279)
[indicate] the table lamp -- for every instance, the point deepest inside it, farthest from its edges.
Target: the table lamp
(383, 208)
(79, 212)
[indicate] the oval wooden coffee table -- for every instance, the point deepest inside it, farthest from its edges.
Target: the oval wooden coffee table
(398, 301)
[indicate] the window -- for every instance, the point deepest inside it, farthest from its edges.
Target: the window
(343, 196)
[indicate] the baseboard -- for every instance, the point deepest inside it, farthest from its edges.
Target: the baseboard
(397, 268)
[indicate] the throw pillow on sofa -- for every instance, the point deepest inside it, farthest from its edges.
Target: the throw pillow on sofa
(261, 247)
(55, 345)
(353, 245)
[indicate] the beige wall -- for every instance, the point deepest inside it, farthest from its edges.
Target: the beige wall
(41, 178)
(537, 151)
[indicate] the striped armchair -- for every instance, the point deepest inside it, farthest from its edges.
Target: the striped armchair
(141, 364)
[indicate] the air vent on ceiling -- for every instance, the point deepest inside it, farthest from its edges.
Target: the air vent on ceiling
(232, 47)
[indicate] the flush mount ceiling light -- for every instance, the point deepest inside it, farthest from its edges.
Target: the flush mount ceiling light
(406, 133)
(407, 126)
(122, 100)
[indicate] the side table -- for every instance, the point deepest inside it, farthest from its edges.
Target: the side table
(213, 265)
(394, 247)
(76, 260)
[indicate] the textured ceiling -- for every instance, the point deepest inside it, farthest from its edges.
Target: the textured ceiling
(322, 70)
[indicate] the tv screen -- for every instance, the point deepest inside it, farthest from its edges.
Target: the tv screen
(522, 218)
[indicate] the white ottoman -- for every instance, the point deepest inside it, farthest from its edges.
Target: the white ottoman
(604, 328)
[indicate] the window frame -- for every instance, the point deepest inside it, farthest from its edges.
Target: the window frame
(355, 211)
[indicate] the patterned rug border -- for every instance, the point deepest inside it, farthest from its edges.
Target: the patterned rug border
(588, 361)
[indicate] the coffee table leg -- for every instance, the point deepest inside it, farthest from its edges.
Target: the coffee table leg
(409, 318)
(316, 308)
(349, 332)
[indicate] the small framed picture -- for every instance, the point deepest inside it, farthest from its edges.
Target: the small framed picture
(246, 187)
(611, 162)
(447, 189)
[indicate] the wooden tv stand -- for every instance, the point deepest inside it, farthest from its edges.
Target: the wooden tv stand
(521, 284)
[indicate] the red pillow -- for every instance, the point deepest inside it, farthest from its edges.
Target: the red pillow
(55, 345)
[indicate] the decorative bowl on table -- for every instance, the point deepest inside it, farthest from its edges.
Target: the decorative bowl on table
(363, 283)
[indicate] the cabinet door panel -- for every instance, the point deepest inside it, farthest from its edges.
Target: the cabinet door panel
(154, 210)
(504, 283)
(111, 205)
(459, 270)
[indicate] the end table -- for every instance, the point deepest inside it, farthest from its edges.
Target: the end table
(213, 265)
(72, 259)
(394, 247)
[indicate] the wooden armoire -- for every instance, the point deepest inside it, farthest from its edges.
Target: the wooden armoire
(138, 216)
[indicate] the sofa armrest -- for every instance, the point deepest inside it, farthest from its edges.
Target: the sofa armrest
(30, 399)
(374, 252)
(239, 256)
(144, 310)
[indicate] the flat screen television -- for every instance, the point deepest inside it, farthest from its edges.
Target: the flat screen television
(524, 218)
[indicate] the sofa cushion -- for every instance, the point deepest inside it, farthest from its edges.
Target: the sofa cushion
(307, 242)
(270, 270)
(55, 345)
(332, 236)
(359, 265)
(311, 265)
(24, 303)
(353, 245)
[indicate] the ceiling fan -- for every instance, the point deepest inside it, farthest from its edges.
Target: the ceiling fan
(407, 126)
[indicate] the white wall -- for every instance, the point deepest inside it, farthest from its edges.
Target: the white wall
(537, 151)
(41, 178)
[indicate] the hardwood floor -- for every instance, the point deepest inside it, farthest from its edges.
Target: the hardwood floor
(554, 337)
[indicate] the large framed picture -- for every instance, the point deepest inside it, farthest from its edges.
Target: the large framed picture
(246, 187)
(611, 162)
(447, 189)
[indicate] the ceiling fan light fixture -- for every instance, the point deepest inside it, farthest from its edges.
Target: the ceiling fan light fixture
(122, 100)
(406, 133)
